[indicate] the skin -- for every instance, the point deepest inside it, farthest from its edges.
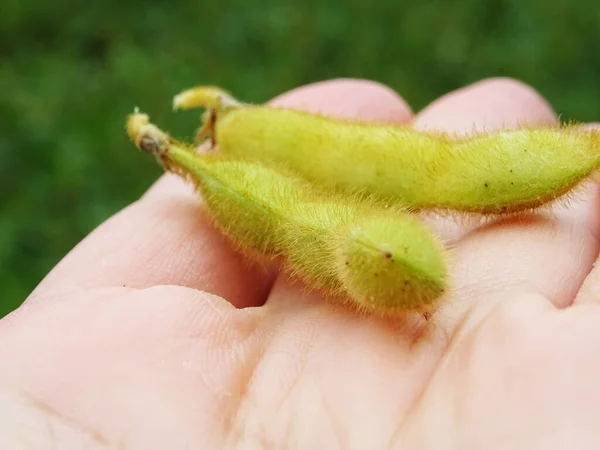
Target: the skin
(152, 333)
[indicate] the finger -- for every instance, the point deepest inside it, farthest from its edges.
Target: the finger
(356, 99)
(348, 99)
(590, 289)
(495, 103)
(487, 105)
(547, 254)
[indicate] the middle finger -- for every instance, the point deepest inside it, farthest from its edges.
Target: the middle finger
(548, 253)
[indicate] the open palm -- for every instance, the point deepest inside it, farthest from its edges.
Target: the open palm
(154, 334)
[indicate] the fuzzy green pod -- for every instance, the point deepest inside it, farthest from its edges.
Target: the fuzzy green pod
(503, 171)
(383, 261)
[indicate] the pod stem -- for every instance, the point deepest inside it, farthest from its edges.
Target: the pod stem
(215, 100)
(151, 139)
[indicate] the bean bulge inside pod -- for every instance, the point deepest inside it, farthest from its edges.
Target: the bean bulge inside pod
(504, 171)
(382, 261)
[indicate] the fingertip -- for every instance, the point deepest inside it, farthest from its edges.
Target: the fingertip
(488, 104)
(592, 125)
(348, 98)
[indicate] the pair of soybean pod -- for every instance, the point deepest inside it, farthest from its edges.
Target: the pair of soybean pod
(334, 200)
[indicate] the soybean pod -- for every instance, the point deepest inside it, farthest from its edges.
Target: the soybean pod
(503, 171)
(383, 261)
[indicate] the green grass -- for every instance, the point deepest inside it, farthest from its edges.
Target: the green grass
(70, 72)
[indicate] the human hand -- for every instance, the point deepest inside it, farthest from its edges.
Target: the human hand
(154, 334)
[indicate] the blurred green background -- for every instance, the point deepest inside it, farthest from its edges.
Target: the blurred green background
(70, 72)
